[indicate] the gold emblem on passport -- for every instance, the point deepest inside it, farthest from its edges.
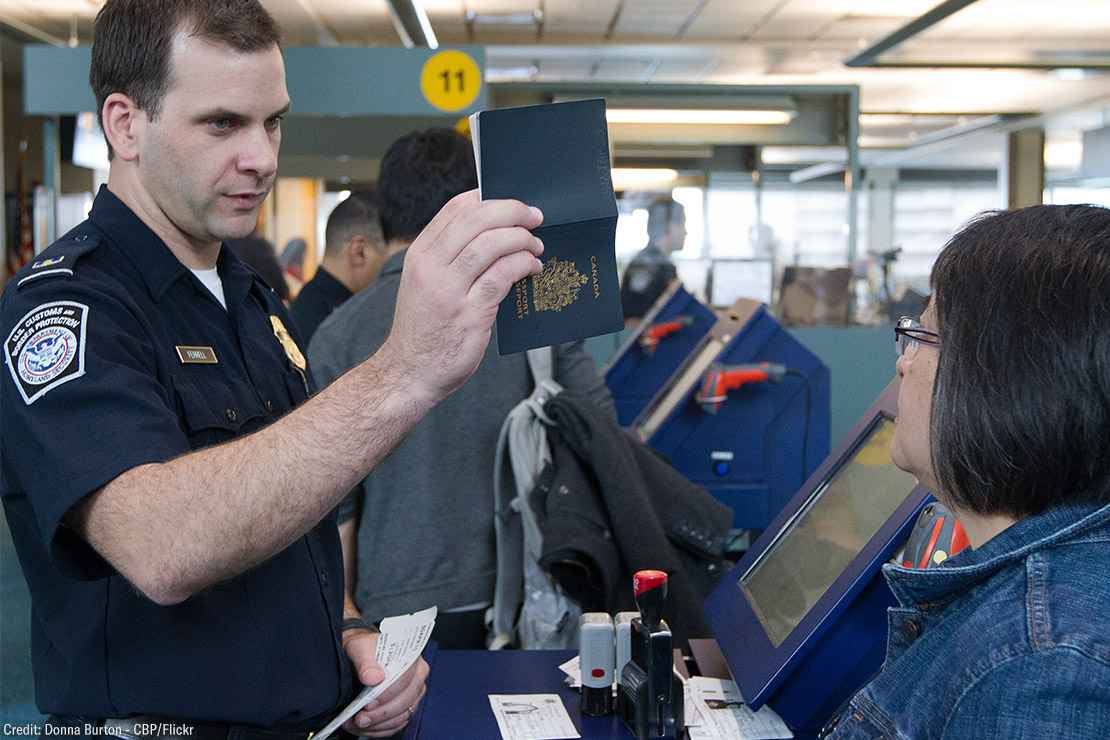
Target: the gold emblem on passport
(557, 285)
(292, 351)
(196, 355)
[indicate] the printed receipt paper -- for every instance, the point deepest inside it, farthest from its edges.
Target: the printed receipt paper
(401, 642)
(532, 717)
(555, 157)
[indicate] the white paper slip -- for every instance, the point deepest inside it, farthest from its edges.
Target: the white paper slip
(532, 717)
(690, 705)
(573, 669)
(400, 643)
(732, 719)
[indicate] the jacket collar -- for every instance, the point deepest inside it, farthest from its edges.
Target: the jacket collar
(156, 264)
(1059, 525)
(394, 264)
(330, 288)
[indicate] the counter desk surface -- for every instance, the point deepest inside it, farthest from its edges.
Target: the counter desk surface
(456, 705)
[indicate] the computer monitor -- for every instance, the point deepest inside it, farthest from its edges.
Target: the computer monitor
(694, 274)
(830, 530)
(801, 620)
(732, 279)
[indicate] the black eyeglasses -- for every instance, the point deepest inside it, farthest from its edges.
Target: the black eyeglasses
(909, 333)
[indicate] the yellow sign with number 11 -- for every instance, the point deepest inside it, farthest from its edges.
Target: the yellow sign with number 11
(450, 80)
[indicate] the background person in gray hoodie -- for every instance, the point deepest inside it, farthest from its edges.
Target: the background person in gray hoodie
(419, 531)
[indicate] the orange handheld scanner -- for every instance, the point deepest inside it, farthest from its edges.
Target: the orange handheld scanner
(937, 535)
(720, 379)
(650, 337)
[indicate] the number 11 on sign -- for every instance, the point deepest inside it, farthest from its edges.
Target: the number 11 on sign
(450, 80)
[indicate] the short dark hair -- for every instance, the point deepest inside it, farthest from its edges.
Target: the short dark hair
(420, 172)
(132, 40)
(357, 215)
(1021, 403)
(662, 212)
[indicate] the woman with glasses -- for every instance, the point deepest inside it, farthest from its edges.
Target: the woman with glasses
(1004, 412)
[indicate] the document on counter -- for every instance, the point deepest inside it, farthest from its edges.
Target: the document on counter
(727, 717)
(400, 643)
(532, 717)
(555, 157)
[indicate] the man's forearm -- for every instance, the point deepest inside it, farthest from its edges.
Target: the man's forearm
(177, 527)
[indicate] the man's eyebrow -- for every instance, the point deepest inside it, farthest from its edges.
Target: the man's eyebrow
(215, 113)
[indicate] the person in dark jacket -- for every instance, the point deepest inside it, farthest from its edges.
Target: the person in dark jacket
(651, 271)
(354, 252)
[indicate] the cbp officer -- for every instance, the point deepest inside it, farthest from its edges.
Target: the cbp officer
(171, 516)
(651, 270)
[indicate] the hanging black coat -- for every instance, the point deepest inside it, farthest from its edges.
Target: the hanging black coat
(608, 506)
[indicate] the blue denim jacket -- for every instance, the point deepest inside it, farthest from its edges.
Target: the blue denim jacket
(1008, 641)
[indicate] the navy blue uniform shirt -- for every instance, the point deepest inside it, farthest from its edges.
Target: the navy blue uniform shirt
(109, 349)
(646, 277)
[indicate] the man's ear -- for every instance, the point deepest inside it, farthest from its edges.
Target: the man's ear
(123, 123)
(359, 251)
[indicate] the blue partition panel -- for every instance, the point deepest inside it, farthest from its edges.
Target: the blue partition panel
(766, 439)
(635, 376)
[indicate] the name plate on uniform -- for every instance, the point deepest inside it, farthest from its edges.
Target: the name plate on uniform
(196, 355)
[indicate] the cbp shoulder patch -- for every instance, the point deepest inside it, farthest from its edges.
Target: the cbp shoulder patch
(47, 348)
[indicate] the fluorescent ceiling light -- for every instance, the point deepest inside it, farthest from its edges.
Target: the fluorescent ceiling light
(526, 18)
(1071, 74)
(699, 116)
(626, 178)
(425, 24)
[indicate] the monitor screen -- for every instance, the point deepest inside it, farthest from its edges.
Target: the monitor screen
(694, 274)
(732, 279)
(826, 534)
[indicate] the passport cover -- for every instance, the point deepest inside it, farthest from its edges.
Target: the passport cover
(555, 157)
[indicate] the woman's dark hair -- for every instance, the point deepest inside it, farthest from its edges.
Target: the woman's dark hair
(132, 41)
(1021, 404)
(420, 172)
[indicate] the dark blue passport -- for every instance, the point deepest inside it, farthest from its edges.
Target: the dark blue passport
(555, 157)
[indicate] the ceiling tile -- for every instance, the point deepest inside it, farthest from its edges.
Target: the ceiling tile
(578, 18)
(727, 19)
(653, 18)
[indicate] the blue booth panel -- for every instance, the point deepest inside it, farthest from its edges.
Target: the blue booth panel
(765, 439)
(635, 375)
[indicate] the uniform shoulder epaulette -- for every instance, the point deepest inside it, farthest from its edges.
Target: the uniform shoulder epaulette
(60, 258)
